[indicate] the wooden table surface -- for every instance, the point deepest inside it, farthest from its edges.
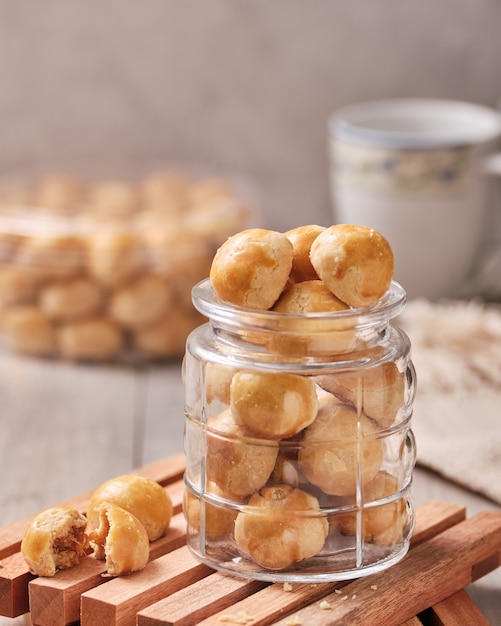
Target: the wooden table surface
(66, 428)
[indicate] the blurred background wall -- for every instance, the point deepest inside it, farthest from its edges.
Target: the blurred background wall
(246, 85)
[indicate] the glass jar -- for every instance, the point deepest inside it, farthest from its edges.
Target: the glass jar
(298, 440)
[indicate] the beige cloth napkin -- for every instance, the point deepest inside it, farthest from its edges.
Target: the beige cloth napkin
(456, 348)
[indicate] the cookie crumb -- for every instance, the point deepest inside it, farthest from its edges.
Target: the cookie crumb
(374, 587)
(344, 598)
(353, 596)
(287, 586)
(324, 605)
(294, 621)
(338, 591)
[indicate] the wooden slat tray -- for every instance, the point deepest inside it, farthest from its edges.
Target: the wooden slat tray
(448, 552)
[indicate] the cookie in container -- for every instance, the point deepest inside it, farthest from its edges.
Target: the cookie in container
(100, 268)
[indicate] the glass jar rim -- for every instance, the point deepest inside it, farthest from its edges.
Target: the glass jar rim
(220, 312)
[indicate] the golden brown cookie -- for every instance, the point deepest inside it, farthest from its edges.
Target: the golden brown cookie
(141, 302)
(166, 337)
(235, 461)
(355, 262)
(95, 339)
(252, 267)
(381, 524)
(337, 450)
(116, 256)
(301, 238)
(281, 526)
(69, 300)
(18, 285)
(218, 379)
(141, 496)
(286, 471)
(309, 296)
(120, 539)
(52, 256)
(273, 405)
(379, 391)
(27, 330)
(218, 516)
(178, 254)
(55, 540)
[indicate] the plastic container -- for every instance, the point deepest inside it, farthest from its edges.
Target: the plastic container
(298, 440)
(99, 268)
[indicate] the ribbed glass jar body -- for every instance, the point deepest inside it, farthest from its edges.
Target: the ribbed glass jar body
(298, 440)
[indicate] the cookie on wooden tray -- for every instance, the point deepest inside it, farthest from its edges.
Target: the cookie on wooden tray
(143, 497)
(120, 539)
(55, 540)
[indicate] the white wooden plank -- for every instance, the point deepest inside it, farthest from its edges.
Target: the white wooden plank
(64, 428)
(164, 425)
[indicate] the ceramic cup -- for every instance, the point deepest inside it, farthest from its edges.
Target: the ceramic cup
(418, 171)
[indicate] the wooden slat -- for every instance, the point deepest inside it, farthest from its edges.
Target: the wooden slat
(274, 601)
(14, 579)
(164, 471)
(176, 491)
(118, 601)
(433, 518)
(432, 572)
(457, 609)
(56, 601)
(198, 601)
